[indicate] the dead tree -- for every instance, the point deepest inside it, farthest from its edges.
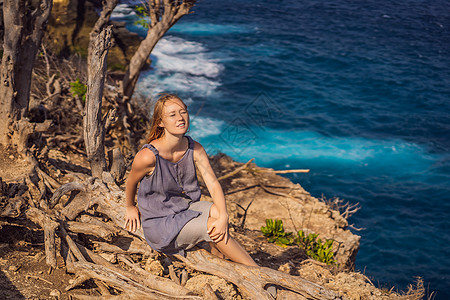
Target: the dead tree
(24, 28)
(163, 15)
(94, 125)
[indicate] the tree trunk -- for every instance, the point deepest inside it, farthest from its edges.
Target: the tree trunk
(160, 23)
(24, 28)
(94, 131)
(94, 126)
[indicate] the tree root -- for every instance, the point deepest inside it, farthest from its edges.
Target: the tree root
(49, 225)
(64, 189)
(252, 280)
(105, 198)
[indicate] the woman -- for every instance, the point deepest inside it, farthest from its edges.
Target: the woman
(173, 217)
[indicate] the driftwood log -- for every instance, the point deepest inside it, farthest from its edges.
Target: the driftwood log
(117, 166)
(64, 189)
(49, 225)
(133, 289)
(92, 266)
(91, 229)
(251, 281)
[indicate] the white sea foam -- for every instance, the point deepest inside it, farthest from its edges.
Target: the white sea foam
(202, 127)
(151, 83)
(181, 66)
(188, 101)
(173, 45)
(131, 2)
(178, 55)
(122, 11)
(178, 65)
(269, 146)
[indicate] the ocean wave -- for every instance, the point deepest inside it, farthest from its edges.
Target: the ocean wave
(364, 102)
(123, 11)
(209, 126)
(243, 142)
(181, 66)
(193, 28)
(178, 55)
(130, 2)
(152, 83)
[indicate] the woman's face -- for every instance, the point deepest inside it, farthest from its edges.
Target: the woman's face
(175, 117)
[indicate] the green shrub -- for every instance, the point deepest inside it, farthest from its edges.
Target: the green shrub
(275, 233)
(313, 246)
(78, 89)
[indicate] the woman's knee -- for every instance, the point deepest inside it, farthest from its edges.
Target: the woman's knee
(210, 221)
(214, 212)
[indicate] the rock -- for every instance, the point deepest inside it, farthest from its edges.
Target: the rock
(55, 293)
(315, 273)
(287, 268)
(355, 286)
(286, 201)
(154, 267)
(220, 286)
(14, 268)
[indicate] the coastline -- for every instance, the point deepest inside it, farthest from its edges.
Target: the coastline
(299, 207)
(270, 196)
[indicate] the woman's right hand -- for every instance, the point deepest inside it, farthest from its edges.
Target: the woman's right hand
(132, 220)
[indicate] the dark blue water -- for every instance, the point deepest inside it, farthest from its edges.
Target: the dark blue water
(356, 91)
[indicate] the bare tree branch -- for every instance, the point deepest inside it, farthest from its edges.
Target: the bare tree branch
(162, 19)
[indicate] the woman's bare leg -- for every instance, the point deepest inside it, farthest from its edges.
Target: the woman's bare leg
(230, 249)
(215, 251)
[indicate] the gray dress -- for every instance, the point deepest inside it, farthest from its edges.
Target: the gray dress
(168, 199)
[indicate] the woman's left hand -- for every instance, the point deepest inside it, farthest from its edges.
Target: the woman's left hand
(218, 230)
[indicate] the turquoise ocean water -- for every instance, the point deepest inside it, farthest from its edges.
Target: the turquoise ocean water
(356, 91)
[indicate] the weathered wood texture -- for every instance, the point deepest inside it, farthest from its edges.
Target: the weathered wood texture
(132, 288)
(130, 283)
(117, 166)
(64, 189)
(24, 28)
(49, 225)
(252, 280)
(94, 125)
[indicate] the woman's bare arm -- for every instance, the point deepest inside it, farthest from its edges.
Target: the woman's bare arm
(143, 164)
(218, 229)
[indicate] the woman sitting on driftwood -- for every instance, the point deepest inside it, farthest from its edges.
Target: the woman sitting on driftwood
(173, 217)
